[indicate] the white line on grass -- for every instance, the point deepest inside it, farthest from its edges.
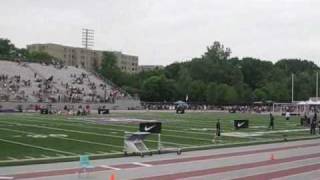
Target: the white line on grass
(115, 151)
(118, 125)
(45, 156)
(12, 158)
(69, 139)
(38, 147)
(90, 142)
(60, 155)
(29, 157)
(91, 133)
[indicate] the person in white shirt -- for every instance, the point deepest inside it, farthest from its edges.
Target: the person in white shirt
(287, 115)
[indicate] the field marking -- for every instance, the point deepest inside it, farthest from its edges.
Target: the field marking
(260, 133)
(142, 164)
(126, 126)
(60, 155)
(45, 156)
(38, 147)
(90, 142)
(29, 157)
(110, 167)
(116, 125)
(12, 158)
(70, 139)
(113, 151)
(91, 133)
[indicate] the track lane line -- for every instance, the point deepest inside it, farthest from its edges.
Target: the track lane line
(188, 159)
(211, 171)
(282, 173)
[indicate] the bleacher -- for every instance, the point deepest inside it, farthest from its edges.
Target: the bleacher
(33, 82)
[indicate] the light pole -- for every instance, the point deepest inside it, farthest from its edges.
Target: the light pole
(292, 86)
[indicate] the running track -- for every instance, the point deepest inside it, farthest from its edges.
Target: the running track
(292, 160)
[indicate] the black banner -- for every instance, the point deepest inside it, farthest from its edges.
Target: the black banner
(241, 124)
(151, 127)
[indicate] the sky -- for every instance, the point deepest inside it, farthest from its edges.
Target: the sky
(161, 32)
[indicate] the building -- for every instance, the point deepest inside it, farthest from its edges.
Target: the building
(127, 63)
(86, 58)
(144, 68)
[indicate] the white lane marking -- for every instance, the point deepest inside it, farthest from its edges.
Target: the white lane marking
(3, 177)
(29, 157)
(12, 158)
(38, 147)
(110, 167)
(108, 135)
(70, 139)
(142, 164)
(45, 156)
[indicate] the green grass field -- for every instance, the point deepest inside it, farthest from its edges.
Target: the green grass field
(33, 136)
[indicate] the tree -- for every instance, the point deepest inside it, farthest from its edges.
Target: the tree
(40, 57)
(197, 91)
(157, 88)
(217, 52)
(109, 68)
(212, 93)
(6, 47)
(259, 95)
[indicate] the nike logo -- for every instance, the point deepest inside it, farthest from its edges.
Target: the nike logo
(146, 128)
(240, 124)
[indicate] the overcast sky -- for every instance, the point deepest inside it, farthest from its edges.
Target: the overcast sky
(164, 31)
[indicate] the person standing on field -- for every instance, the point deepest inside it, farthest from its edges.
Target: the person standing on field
(218, 128)
(313, 127)
(287, 115)
(271, 124)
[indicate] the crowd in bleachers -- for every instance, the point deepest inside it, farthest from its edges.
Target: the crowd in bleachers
(34, 82)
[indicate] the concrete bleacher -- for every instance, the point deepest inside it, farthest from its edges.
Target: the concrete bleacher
(12, 69)
(66, 75)
(68, 84)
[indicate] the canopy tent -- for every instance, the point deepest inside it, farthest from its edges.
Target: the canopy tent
(309, 102)
(181, 103)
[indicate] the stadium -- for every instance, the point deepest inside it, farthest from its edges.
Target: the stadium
(52, 114)
(143, 90)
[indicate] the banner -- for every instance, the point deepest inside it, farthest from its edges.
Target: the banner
(151, 127)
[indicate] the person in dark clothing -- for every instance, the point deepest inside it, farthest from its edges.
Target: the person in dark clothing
(271, 124)
(218, 128)
(305, 119)
(313, 127)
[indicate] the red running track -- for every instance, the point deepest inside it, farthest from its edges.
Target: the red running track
(169, 161)
(233, 168)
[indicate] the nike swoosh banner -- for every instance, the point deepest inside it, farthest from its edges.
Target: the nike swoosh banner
(151, 127)
(243, 123)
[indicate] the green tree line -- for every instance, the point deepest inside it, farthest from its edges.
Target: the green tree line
(218, 78)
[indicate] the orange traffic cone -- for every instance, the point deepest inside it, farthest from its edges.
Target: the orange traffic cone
(272, 157)
(112, 177)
